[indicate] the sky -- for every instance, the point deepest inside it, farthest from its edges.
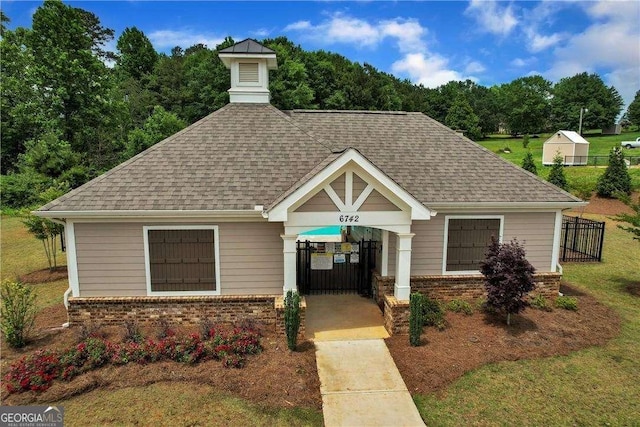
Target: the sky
(430, 42)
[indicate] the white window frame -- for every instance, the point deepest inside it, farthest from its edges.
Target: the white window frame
(147, 263)
(446, 240)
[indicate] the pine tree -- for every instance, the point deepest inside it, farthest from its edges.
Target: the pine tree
(616, 177)
(556, 175)
(528, 163)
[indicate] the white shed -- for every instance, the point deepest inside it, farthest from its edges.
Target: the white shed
(573, 148)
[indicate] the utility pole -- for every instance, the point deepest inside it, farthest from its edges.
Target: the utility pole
(586, 110)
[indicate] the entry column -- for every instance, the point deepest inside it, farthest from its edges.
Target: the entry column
(290, 253)
(402, 287)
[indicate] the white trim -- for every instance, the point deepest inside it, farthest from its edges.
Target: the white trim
(108, 214)
(348, 189)
(402, 285)
(72, 259)
(557, 233)
(446, 240)
(147, 265)
(290, 253)
(280, 212)
(335, 198)
(363, 197)
(507, 206)
(384, 269)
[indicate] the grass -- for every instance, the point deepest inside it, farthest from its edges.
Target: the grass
(579, 177)
(157, 404)
(21, 253)
(596, 386)
(177, 403)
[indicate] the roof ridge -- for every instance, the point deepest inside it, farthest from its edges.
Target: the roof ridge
(290, 120)
(506, 162)
(128, 162)
(393, 113)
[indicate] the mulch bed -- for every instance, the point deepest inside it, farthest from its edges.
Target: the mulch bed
(44, 276)
(602, 206)
(276, 377)
(469, 342)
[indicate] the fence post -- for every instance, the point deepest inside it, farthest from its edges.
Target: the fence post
(564, 246)
(601, 243)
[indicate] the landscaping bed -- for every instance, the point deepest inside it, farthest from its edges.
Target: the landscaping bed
(469, 342)
(275, 377)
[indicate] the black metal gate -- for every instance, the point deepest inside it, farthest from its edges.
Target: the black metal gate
(335, 268)
(581, 239)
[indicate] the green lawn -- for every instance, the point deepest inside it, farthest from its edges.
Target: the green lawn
(596, 386)
(579, 177)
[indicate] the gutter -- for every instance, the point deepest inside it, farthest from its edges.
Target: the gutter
(509, 206)
(208, 214)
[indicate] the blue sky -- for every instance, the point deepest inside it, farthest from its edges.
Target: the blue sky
(490, 42)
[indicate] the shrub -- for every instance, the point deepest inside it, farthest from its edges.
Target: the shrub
(292, 318)
(206, 328)
(615, 178)
(35, 372)
(540, 302)
(18, 312)
(433, 314)
(132, 332)
(459, 306)
(568, 303)
(164, 329)
(508, 277)
(90, 330)
(416, 320)
(528, 163)
(556, 175)
(525, 141)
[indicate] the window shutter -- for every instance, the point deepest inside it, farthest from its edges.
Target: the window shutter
(248, 72)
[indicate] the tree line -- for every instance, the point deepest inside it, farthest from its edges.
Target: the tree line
(67, 116)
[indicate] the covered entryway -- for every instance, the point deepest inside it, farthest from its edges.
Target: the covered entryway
(343, 317)
(335, 267)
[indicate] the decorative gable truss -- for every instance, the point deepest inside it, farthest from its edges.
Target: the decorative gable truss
(350, 191)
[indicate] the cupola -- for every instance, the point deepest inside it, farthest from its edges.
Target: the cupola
(249, 62)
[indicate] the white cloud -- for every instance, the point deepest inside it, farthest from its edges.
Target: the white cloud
(421, 65)
(538, 42)
(341, 28)
(523, 62)
(428, 70)
(261, 32)
(474, 67)
(492, 17)
(163, 39)
(608, 46)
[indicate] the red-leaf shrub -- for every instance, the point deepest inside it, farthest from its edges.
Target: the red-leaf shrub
(37, 372)
(508, 277)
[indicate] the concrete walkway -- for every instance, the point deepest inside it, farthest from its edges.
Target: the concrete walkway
(361, 386)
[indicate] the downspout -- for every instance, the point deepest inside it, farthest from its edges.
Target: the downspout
(69, 290)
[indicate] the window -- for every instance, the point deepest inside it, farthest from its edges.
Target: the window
(182, 260)
(466, 241)
(248, 72)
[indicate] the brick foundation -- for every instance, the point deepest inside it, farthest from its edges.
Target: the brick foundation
(445, 288)
(187, 311)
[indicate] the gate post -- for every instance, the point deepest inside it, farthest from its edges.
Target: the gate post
(290, 255)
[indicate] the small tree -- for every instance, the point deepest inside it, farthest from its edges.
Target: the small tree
(46, 231)
(18, 312)
(528, 163)
(632, 219)
(525, 141)
(616, 177)
(292, 318)
(416, 320)
(508, 277)
(556, 175)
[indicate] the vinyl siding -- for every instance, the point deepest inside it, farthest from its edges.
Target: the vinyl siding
(321, 202)
(339, 186)
(111, 261)
(533, 230)
(377, 202)
(358, 186)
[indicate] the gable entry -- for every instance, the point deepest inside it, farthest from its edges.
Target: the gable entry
(351, 191)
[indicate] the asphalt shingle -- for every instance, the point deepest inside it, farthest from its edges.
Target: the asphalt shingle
(245, 155)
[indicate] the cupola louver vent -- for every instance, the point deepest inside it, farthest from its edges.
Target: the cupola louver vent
(248, 72)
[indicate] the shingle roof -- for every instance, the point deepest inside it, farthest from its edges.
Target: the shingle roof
(245, 155)
(572, 136)
(247, 46)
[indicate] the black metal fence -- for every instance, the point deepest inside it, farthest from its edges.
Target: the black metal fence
(581, 239)
(335, 268)
(596, 160)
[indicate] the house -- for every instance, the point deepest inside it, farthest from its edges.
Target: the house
(205, 223)
(573, 148)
